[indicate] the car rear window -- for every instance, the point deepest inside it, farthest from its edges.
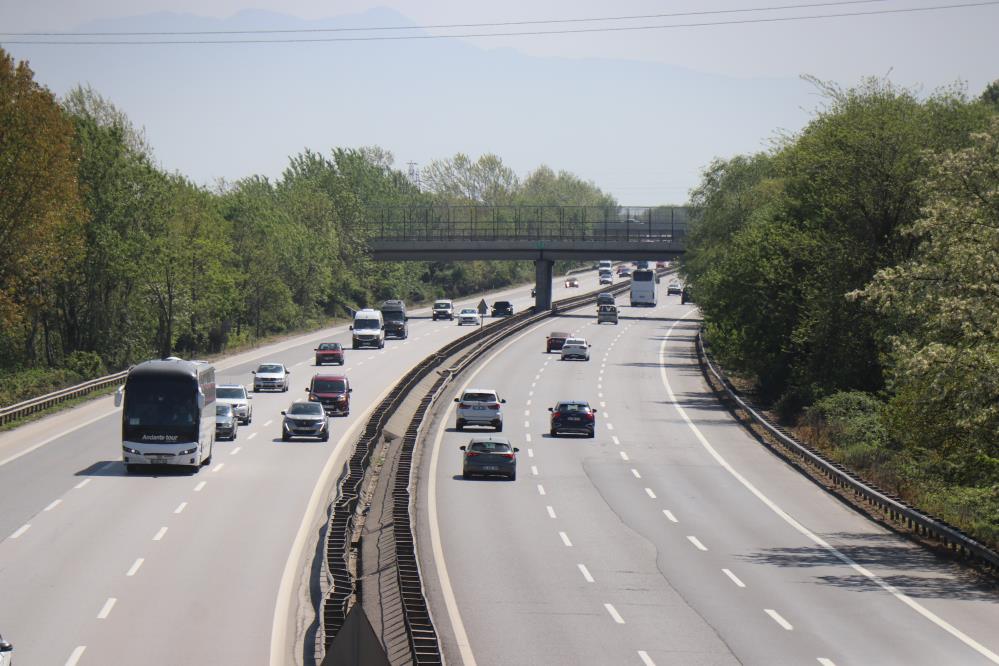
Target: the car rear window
(572, 407)
(230, 393)
(489, 447)
(479, 397)
(557, 334)
(329, 346)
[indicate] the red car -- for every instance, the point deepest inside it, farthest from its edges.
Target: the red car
(555, 341)
(333, 391)
(329, 352)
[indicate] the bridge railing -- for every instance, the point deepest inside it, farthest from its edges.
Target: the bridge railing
(661, 224)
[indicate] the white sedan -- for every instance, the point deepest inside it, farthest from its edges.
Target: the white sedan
(469, 316)
(576, 348)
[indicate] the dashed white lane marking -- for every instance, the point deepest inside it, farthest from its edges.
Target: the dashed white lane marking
(530, 453)
(298, 364)
(201, 484)
(634, 471)
(624, 456)
(600, 395)
(74, 657)
(778, 619)
(527, 424)
(531, 393)
(370, 357)
(600, 387)
(646, 659)
(697, 544)
(669, 514)
(528, 403)
(537, 377)
(134, 569)
(551, 511)
(586, 573)
(648, 491)
(252, 435)
(527, 412)
(106, 609)
(534, 470)
(268, 423)
(53, 505)
(733, 577)
(615, 440)
(541, 489)
(614, 614)
(565, 539)
(826, 662)
(801, 529)
(533, 384)
(527, 437)
(603, 404)
(218, 467)
(159, 535)
(82, 483)
(21, 530)
(610, 426)
(235, 450)
(180, 507)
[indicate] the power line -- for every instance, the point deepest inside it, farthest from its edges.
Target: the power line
(531, 33)
(440, 26)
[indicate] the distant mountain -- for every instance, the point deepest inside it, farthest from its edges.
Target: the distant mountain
(640, 130)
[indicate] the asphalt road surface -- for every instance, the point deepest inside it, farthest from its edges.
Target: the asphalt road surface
(672, 537)
(166, 567)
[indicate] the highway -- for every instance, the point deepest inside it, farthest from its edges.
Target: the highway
(672, 537)
(166, 567)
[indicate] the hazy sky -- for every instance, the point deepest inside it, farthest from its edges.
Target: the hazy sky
(929, 50)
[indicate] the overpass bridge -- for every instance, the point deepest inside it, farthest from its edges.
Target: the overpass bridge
(542, 234)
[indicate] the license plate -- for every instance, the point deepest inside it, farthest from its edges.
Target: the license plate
(478, 407)
(491, 468)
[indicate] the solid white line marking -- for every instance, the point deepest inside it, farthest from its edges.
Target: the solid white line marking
(826, 662)
(778, 619)
(534, 470)
(634, 471)
(235, 450)
(551, 511)
(218, 467)
(586, 573)
(74, 658)
(527, 437)
(648, 491)
(615, 440)
(614, 614)
(268, 423)
(53, 505)
(21, 530)
(790, 520)
(135, 567)
(530, 453)
(159, 535)
(669, 514)
(82, 483)
(697, 544)
(106, 610)
(646, 659)
(200, 485)
(565, 539)
(624, 456)
(541, 489)
(735, 579)
(252, 435)
(180, 507)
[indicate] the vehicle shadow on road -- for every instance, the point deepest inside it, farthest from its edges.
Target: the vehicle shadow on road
(459, 477)
(117, 468)
(931, 577)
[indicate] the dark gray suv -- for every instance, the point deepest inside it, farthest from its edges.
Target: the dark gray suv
(489, 456)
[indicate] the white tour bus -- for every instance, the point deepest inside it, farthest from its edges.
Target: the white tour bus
(643, 287)
(169, 414)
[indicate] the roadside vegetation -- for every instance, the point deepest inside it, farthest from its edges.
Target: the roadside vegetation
(106, 259)
(851, 274)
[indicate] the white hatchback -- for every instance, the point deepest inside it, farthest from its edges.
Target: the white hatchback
(479, 407)
(576, 348)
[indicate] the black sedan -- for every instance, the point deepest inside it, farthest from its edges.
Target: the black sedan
(573, 416)
(489, 456)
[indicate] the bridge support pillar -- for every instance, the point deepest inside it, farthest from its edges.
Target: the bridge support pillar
(543, 273)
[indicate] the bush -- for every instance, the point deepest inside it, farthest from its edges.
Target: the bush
(848, 420)
(85, 365)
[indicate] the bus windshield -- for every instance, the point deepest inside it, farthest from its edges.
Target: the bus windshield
(169, 402)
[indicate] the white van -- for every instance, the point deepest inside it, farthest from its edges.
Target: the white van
(368, 328)
(605, 264)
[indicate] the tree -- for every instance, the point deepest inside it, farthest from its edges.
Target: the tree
(460, 180)
(990, 95)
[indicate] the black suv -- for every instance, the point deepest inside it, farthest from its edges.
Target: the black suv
(502, 309)
(573, 416)
(605, 298)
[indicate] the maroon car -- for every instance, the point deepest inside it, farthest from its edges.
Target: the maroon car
(555, 341)
(329, 352)
(333, 391)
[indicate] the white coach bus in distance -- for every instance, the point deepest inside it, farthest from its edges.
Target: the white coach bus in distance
(643, 287)
(169, 414)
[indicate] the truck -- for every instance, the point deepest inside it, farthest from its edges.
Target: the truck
(394, 313)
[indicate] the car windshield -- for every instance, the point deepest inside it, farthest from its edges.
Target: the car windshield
(306, 408)
(575, 341)
(441, 306)
(469, 311)
(329, 346)
(479, 397)
(502, 304)
(572, 407)
(223, 410)
(271, 368)
(394, 315)
(329, 386)
(227, 393)
(489, 447)
(366, 325)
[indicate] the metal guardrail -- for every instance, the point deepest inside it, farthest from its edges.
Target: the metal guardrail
(422, 636)
(898, 510)
(27, 407)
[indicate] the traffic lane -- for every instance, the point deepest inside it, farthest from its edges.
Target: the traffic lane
(266, 407)
(744, 532)
(576, 526)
